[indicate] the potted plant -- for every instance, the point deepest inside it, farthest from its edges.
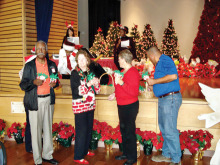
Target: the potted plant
(65, 134)
(17, 131)
(96, 135)
(147, 138)
(158, 141)
(55, 131)
(107, 133)
(139, 139)
(2, 130)
(118, 137)
(198, 141)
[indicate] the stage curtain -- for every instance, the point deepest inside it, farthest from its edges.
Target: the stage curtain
(101, 14)
(43, 15)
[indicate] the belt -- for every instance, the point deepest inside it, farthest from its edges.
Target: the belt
(171, 93)
(42, 96)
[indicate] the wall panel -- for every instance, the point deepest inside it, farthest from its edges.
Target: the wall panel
(11, 44)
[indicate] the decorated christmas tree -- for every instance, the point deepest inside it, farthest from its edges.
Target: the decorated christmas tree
(98, 44)
(207, 43)
(169, 44)
(135, 34)
(147, 40)
(112, 36)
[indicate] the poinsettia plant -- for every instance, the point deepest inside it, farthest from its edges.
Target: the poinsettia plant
(138, 134)
(158, 141)
(147, 137)
(183, 139)
(96, 132)
(66, 131)
(107, 133)
(16, 130)
(2, 127)
(55, 129)
(118, 137)
(199, 140)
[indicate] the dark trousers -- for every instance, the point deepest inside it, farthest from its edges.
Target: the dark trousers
(83, 127)
(28, 145)
(127, 116)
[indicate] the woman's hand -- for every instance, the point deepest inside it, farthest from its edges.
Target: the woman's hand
(118, 80)
(111, 97)
(94, 82)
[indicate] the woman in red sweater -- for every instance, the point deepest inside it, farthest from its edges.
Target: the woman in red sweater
(126, 93)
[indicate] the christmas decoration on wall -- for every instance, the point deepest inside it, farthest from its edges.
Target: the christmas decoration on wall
(98, 47)
(147, 40)
(135, 34)
(112, 36)
(170, 44)
(207, 43)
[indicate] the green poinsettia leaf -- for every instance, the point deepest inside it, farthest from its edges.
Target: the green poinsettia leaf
(90, 76)
(54, 76)
(141, 88)
(119, 72)
(145, 74)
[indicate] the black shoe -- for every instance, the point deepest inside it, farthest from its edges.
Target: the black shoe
(121, 157)
(38, 164)
(51, 161)
(130, 162)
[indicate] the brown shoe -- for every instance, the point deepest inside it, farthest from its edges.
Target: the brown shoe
(160, 158)
(175, 163)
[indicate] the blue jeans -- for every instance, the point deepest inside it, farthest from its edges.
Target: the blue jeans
(168, 108)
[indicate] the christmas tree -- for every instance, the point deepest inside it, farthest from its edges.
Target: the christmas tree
(135, 34)
(169, 44)
(207, 43)
(98, 44)
(112, 36)
(146, 41)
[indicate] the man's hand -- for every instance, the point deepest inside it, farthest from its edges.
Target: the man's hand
(150, 88)
(38, 82)
(52, 84)
(151, 81)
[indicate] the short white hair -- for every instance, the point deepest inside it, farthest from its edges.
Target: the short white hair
(41, 41)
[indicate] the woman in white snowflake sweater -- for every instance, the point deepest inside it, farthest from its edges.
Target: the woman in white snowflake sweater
(84, 86)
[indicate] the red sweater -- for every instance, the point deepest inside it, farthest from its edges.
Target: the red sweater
(128, 92)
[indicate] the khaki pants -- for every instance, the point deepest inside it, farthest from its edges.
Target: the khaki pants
(41, 122)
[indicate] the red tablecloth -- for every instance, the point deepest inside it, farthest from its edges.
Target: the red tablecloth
(107, 62)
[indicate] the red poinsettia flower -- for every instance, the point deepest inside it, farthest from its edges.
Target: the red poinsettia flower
(16, 130)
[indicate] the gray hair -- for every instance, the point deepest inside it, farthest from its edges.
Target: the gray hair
(126, 55)
(41, 41)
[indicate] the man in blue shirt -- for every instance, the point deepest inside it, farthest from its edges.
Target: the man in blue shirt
(166, 87)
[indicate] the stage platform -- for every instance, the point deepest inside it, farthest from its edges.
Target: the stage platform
(193, 105)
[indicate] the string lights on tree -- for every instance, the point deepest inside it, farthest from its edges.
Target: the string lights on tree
(147, 40)
(98, 47)
(169, 45)
(112, 36)
(135, 34)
